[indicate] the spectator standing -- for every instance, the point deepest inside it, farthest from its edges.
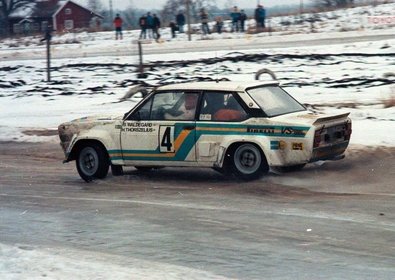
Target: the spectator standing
(243, 18)
(173, 28)
(219, 24)
(235, 16)
(156, 26)
(260, 15)
(150, 25)
(143, 27)
(204, 19)
(180, 20)
(118, 27)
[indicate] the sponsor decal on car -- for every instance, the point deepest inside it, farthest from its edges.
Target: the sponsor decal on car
(176, 142)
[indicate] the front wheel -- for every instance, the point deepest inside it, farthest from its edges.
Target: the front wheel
(92, 162)
(248, 162)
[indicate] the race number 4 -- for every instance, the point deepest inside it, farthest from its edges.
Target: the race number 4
(166, 139)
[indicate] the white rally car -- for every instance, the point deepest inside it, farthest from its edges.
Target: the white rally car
(233, 127)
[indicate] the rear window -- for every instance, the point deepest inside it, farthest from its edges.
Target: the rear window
(275, 101)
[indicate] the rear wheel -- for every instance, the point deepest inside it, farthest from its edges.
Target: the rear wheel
(92, 162)
(248, 162)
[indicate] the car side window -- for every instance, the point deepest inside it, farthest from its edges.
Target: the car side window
(219, 106)
(143, 113)
(174, 105)
(156, 106)
(183, 109)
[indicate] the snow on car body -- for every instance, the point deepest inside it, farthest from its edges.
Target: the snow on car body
(244, 128)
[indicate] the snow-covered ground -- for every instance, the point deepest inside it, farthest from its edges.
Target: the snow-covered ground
(355, 77)
(28, 262)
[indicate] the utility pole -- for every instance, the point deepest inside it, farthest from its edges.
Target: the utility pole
(189, 19)
(141, 74)
(111, 11)
(47, 38)
(301, 7)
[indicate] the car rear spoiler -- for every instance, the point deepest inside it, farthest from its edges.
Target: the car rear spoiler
(330, 118)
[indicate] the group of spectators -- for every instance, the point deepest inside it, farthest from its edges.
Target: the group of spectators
(150, 24)
(238, 18)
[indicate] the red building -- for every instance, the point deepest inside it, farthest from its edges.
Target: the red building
(62, 15)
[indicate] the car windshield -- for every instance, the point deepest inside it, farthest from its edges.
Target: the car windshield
(275, 101)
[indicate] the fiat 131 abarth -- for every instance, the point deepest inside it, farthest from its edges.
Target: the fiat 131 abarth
(237, 128)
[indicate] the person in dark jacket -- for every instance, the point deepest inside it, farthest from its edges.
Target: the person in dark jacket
(204, 19)
(156, 26)
(235, 16)
(219, 23)
(150, 25)
(173, 28)
(260, 15)
(143, 27)
(180, 20)
(243, 18)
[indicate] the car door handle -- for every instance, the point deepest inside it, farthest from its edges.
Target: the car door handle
(191, 127)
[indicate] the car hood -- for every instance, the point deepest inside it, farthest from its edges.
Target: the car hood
(96, 119)
(310, 118)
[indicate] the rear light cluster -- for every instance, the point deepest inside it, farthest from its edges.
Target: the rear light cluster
(347, 131)
(317, 138)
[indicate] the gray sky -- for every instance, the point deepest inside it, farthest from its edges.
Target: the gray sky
(157, 4)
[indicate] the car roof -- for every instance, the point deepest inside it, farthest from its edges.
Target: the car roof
(218, 86)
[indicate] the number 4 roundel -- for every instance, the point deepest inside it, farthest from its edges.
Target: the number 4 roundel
(166, 139)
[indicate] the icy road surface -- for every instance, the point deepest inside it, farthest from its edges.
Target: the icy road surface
(334, 221)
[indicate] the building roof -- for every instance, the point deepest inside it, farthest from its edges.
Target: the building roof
(38, 8)
(42, 9)
(218, 86)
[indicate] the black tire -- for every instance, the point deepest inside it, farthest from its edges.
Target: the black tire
(247, 162)
(292, 168)
(92, 162)
(116, 170)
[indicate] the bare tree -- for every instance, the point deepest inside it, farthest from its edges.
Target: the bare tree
(333, 3)
(172, 7)
(323, 3)
(229, 4)
(6, 8)
(95, 5)
(130, 15)
(197, 5)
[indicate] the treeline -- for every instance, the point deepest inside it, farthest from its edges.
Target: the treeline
(333, 3)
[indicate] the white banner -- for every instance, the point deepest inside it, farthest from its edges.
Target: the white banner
(381, 20)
